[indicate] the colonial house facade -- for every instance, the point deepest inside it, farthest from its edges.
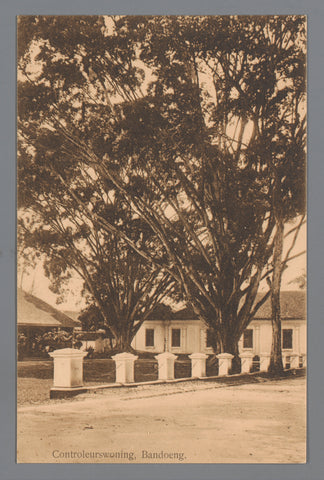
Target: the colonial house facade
(185, 334)
(178, 332)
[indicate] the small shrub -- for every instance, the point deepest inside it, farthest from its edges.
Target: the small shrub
(77, 344)
(90, 351)
(21, 345)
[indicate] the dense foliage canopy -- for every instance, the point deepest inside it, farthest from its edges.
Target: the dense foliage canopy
(192, 129)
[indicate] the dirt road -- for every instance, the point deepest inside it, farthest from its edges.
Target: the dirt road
(254, 423)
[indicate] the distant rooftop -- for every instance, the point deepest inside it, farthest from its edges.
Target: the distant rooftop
(32, 311)
(293, 306)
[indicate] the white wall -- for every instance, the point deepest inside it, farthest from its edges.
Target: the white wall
(262, 336)
(189, 336)
(193, 336)
(99, 345)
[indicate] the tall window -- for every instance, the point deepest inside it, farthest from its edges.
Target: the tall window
(149, 337)
(176, 337)
(209, 338)
(248, 338)
(287, 338)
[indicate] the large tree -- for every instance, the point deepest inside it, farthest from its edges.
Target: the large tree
(119, 284)
(172, 112)
(287, 168)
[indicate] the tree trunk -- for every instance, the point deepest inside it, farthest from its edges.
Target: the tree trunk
(224, 341)
(123, 341)
(276, 366)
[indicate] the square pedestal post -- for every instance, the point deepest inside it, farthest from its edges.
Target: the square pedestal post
(198, 364)
(246, 361)
(224, 363)
(166, 365)
(124, 367)
(264, 362)
(68, 367)
(294, 360)
(285, 357)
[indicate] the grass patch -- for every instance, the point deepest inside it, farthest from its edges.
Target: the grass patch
(35, 378)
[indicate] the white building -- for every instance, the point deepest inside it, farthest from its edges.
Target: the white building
(185, 334)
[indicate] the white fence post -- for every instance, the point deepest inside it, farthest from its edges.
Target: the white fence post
(246, 361)
(68, 367)
(224, 363)
(166, 365)
(264, 362)
(294, 360)
(198, 364)
(124, 367)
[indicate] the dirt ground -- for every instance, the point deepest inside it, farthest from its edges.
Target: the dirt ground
(263, 422)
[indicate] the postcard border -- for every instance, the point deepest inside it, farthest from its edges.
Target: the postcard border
(314, 9)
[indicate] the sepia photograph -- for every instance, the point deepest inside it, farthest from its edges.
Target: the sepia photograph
(161, 239)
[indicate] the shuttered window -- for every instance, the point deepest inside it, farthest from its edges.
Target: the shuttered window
(176, 335)
(209, 338)
(248, 338)
(287, 338)
(149, 337)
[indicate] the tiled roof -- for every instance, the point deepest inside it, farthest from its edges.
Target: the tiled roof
(31, 311)
(74, 314)
(293, 306)
(161, 312)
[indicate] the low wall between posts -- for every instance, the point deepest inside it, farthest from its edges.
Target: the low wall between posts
(167, 368)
